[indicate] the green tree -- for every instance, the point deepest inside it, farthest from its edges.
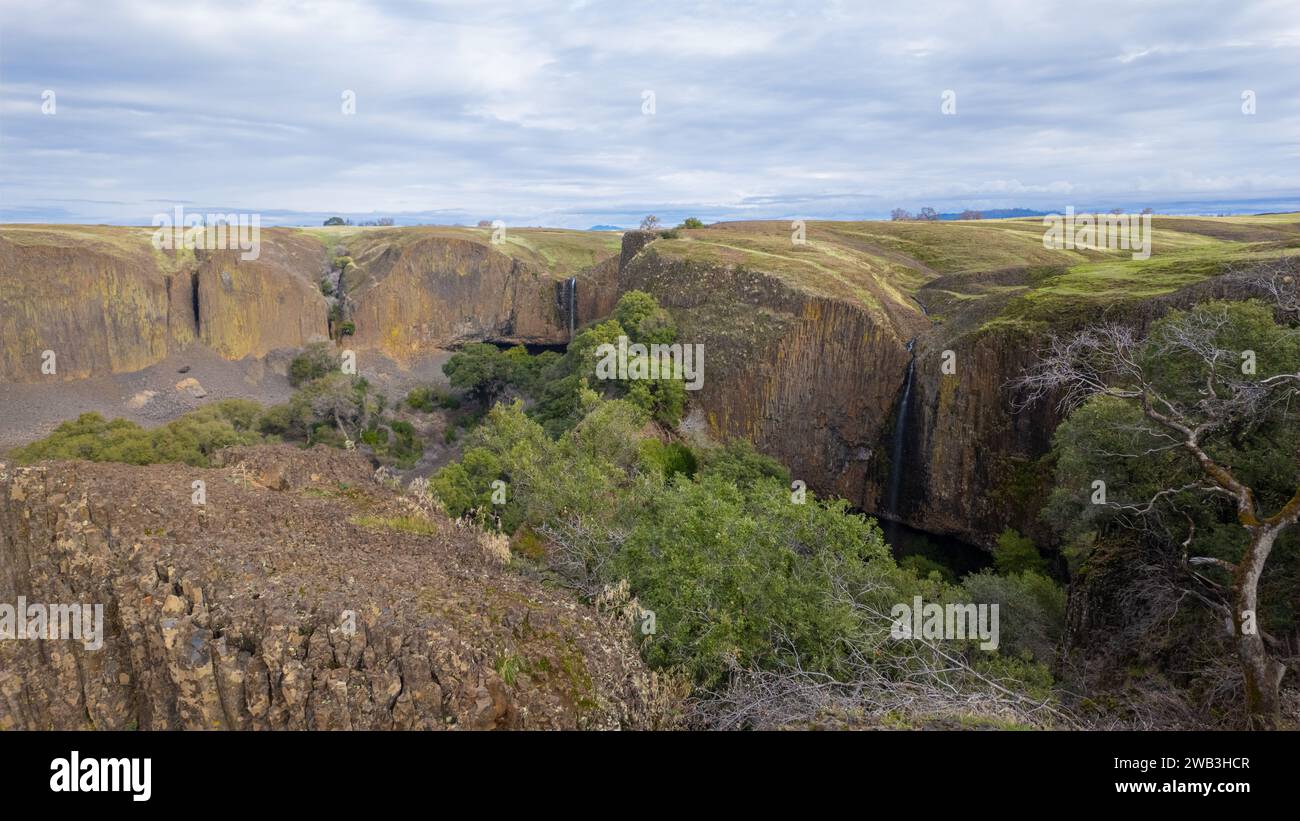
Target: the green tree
(316, 360)
(1015, 553)
(1198, 420)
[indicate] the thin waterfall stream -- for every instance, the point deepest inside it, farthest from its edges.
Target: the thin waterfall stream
(900, 435)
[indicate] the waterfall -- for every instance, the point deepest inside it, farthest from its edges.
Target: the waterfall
(566, 303)
(900, 435)
(572, 288)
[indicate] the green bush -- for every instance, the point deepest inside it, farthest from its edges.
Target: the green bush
(315, 361)
(925, 567)
(1031, 611)
(191, 438)
(669, 458)
(1015, 553)
(736, 574)
(739, 463)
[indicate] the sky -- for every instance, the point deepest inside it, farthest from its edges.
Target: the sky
(586, 113)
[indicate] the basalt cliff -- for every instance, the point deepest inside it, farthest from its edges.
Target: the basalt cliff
(872, 358)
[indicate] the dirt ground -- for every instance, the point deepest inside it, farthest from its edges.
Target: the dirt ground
(150, 397)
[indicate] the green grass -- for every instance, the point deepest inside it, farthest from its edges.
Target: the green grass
(556, 253)
(404, 524)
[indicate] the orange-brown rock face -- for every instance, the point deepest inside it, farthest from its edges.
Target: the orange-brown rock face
(251, 307)
(419, 290)
(105, 301)
(810, 380)
(440, 292)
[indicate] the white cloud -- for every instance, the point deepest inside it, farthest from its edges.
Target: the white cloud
(533, 111)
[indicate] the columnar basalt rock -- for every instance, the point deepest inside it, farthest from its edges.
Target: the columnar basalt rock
(811, 380)
(104, 301)
(267, 609)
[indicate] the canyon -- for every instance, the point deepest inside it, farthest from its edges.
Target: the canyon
(826, 351)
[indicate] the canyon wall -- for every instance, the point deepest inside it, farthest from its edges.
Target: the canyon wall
(810, 380)
(105, 302)
(102, 305)
(251, 307)
(816, 382)
(440, 292)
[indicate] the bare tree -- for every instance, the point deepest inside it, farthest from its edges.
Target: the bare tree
(927, 213)
(900, 215)
(650, 223)
(1277, 281)
(1112, 360)
(335, 397)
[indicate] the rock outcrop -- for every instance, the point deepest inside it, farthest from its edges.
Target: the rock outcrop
(806, 352)
(809, 379)
(297, 597)
(101, 300)
(416, 291)
(441, 292)
(252, 307)
(104, 301)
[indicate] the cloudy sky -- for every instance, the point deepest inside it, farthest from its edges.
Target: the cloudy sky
(539, 114)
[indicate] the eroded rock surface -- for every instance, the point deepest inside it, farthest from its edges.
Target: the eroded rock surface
(235, 614)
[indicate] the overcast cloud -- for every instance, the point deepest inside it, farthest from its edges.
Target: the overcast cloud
(533, 112)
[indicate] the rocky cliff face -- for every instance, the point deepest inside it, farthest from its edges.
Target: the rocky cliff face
(106, 304)
(420, 290)
(440, 292)
(104, 301)
(252, 307)
(815, 376)
(811, 380)
(234, 614)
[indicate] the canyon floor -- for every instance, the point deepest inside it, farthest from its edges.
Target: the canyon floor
(151, 397)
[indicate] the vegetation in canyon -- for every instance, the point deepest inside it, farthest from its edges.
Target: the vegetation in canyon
(773, 600)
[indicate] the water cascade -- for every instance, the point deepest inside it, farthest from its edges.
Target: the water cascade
(900, 436)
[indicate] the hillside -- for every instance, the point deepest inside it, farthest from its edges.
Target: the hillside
(807, 343)
(302, 595)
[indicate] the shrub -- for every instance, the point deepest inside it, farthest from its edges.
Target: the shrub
(925, 567)
(191, 438)
(739, 463)
(669, 458)
(316, 360)
(1015, 553)
(421, 399)
(1031, 611)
